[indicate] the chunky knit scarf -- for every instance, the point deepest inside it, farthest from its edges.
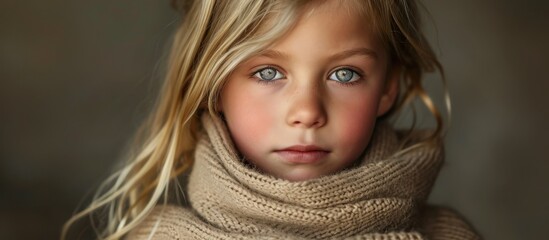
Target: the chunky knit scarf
(382, 198)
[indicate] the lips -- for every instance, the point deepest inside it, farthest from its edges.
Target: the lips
(303, 154)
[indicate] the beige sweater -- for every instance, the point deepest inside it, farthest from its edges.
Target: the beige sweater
(383, 198)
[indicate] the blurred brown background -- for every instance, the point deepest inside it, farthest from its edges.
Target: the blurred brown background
(77, 77)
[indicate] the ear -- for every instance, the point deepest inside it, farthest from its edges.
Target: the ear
(390, 90)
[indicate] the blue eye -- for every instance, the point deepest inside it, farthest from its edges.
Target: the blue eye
(268, 74)
(344, 75)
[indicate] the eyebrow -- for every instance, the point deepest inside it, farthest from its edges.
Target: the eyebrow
(341, 55)
(273, 54)
(353, 52)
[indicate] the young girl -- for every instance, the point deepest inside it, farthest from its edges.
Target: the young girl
(273, 117)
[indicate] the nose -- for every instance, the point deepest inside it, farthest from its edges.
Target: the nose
(306, 108)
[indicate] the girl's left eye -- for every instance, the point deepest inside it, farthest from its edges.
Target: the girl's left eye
(344, 75)
(268, 74)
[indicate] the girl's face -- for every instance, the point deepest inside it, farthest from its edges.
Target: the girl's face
(306, 107)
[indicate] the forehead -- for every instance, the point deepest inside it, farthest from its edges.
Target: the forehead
(365, 11)
(331, 27)
(283, 11)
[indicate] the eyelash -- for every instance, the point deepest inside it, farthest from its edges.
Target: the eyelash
(266, 82)
(357, 72)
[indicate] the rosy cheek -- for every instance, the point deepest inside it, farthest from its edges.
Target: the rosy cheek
(249, 114)
(251, 122)
(357, 123)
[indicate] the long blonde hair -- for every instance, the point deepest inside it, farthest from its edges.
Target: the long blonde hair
(214, 37)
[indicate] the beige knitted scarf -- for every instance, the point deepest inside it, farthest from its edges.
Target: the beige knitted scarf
(381, 198)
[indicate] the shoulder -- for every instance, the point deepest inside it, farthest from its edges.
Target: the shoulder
(445, 223)
(161, 222)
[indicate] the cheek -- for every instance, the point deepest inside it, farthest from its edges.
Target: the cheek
(356, 122)
(248, 115)
(248, 121)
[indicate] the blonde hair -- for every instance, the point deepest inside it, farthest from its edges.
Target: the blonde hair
(214, 37)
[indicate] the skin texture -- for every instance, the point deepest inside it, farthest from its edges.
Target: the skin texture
(305, 104)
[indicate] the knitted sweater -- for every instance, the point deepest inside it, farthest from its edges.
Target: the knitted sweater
(382, 198)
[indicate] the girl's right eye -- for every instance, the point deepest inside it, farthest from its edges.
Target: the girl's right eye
(268, 74)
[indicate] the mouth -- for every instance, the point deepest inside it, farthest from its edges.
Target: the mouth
(302, 154)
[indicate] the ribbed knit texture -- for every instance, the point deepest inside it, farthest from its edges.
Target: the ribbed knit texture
(382, 198)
